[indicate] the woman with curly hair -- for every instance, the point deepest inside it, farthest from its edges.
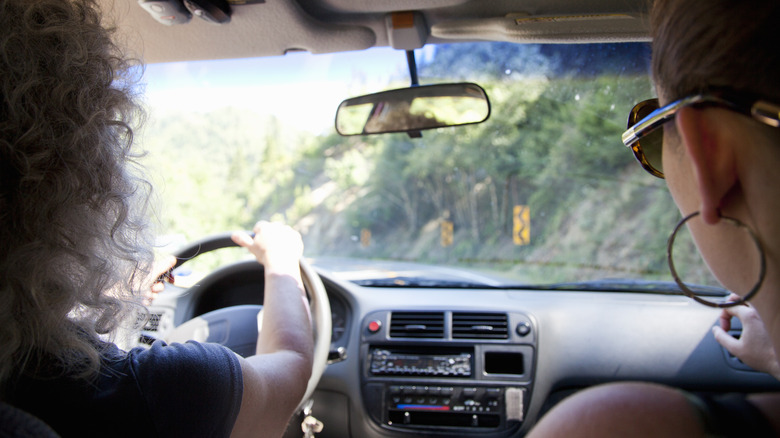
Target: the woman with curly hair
(713, 135)
(75, 254)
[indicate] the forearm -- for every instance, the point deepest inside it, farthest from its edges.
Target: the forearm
(276, 377)
(286, 322)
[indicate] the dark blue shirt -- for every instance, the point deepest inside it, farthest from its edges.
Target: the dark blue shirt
(177, 390)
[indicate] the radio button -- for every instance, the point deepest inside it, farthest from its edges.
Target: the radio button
(493, 392)
(469, 392)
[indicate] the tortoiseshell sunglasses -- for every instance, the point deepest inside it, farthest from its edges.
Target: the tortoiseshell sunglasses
(646, 139)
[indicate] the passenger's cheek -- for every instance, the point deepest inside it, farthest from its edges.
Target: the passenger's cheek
(679, 175)
(729, 253)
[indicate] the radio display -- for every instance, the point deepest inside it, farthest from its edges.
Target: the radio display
(385, 362)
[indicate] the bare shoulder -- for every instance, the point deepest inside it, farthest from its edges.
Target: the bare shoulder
(622, 409)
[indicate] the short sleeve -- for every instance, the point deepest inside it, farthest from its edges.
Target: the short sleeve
(191, 389)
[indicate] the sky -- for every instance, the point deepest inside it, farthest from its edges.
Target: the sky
(294, 87)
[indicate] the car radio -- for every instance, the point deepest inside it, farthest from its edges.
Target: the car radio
(441, 384)
(434, 387)
(386, 363)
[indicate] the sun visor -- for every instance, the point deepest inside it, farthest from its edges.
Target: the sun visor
(270, 28)
(522, 28)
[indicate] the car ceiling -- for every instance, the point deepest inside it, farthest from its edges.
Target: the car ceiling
(276, 27)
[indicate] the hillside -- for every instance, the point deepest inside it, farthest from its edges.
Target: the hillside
(552, 145)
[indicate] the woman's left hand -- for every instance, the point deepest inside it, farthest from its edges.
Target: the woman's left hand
(159, 269)
(754, 347)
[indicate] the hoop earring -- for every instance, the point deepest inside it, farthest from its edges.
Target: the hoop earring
(689, 293)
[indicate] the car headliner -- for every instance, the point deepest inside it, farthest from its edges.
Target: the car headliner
(274, 27)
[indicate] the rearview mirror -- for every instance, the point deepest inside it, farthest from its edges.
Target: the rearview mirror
(413, 109)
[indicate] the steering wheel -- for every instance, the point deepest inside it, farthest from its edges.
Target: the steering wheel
(236, 327)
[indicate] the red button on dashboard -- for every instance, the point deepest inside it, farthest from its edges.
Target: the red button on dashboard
(374, 326)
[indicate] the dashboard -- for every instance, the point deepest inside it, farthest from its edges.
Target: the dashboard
(408, 361)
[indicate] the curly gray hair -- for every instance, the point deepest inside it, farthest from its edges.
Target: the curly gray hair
(72, 228)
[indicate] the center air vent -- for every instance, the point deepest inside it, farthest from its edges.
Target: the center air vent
(479, 326)
(417, 325)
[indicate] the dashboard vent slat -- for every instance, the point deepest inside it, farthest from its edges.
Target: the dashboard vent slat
(480, 326)
(417, 325)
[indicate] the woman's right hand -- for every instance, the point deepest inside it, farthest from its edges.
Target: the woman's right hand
(754, 347)
(276, 246)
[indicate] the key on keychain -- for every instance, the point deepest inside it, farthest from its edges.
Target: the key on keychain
(310, 426)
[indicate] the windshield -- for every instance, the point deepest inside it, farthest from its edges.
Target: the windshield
(543, 192)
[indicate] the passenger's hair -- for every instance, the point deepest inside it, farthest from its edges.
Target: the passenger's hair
(73, 240)
(708, 43)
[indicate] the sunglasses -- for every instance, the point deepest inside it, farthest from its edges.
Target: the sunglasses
(646, 139)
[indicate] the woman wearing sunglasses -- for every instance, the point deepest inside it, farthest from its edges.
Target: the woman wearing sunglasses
(713, 135)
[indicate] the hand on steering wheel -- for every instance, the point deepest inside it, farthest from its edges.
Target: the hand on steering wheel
(279, 249)
(275, 245)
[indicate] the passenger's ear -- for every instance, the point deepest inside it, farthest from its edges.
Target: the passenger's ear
(707, 145)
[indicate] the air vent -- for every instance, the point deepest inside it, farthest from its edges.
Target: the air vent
(417, 325)
(479, 326)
